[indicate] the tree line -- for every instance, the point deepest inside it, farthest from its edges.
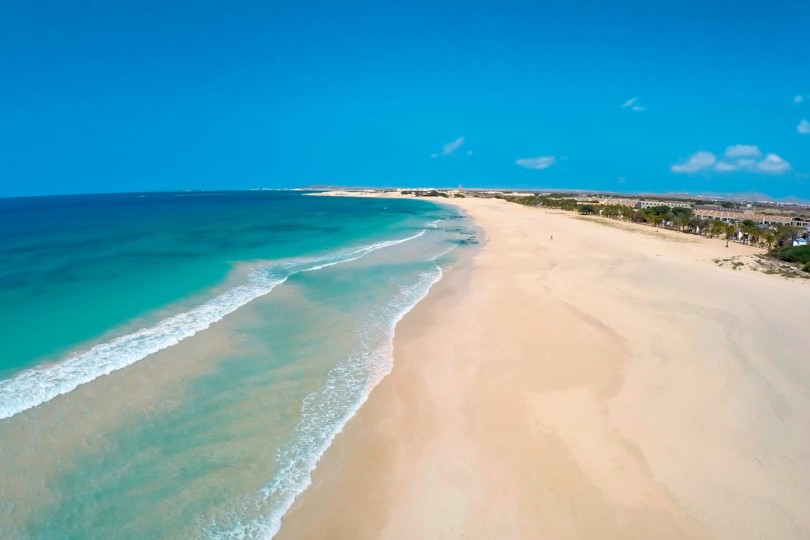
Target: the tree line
(673, 218)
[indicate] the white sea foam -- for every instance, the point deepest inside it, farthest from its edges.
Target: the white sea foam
(445, 252)
(41, 384)
(324, 414)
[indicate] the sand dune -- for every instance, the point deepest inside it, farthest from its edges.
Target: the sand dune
(609, 383)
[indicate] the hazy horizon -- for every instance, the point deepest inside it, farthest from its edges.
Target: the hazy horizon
(747, 197)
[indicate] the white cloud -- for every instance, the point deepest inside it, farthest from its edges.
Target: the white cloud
(742, 150)
(772, 164)
(451, 147)
(725, 167)
(634, 105)
(739, 157)
(696, 162)
(538, 162)
(803, 127)
(798, 99)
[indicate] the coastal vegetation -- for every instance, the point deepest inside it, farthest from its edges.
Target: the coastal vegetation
(793, 254)
(425, 193)
(673, 218)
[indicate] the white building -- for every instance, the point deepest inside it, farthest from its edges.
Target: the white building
(640, 205)
(734, 217)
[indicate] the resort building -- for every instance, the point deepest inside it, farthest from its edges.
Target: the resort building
(630, 203)
(802, 222)
(641, 205)
(734, 216)
(723, 208)
(710, 211)
(762, 219)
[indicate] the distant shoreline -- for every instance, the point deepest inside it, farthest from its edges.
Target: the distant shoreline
(752, 261)
(734, 197)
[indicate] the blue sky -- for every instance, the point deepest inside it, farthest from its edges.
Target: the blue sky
(659, 95)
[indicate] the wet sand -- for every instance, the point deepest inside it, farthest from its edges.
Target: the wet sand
(609, 383)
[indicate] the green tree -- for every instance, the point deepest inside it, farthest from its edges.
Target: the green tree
(612, 211)
(785, 235)
(716, 228)
(750, 230)
(695, 224)
(682, 214)
(769, 237)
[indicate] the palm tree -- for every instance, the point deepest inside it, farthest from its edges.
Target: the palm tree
(695, 224)
(751, 232)
(681, 221)
(717, 228)
(769, 236)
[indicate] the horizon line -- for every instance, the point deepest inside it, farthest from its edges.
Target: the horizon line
(738, 196)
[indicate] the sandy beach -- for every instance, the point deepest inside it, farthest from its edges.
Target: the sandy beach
(611, 382)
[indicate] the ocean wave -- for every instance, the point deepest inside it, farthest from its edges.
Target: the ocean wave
(324, 413)
(41, 384)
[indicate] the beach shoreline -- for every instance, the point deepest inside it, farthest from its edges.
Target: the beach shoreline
(602, 383)
(204, 416)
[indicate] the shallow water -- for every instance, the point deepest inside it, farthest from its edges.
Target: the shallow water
(219, 396)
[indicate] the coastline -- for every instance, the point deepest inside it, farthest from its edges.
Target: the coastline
(601, 384)
(216, 430)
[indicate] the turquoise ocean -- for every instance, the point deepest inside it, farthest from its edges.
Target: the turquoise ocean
(172, 365)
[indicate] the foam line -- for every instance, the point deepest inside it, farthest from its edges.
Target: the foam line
(41, 384)
(324, 414)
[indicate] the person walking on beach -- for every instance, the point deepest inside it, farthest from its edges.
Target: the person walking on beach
(552, 237)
